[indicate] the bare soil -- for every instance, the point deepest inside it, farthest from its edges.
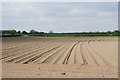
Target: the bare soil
(70, 57)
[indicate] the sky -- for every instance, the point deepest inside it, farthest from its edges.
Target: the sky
(60, 16)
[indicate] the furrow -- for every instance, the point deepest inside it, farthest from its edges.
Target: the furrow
(69, 54)
(35, 54)
(101, 60)
(44, 59)
(25, 55)
(72, 56)
(109, 60)
(78, 55)
(85, 61)
(52, 59)
(89, 54)
(19, 52)
(61, 58)
(39, 55)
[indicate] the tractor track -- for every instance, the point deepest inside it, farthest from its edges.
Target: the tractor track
(67, 51)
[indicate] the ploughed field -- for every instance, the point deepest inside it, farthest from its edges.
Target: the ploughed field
(65, 57)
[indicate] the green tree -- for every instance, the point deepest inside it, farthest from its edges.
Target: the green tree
(13, 32)
(116, 31)
(51, 32)
(24, 32)
(32, 31)
(19, 32)
(108, 32)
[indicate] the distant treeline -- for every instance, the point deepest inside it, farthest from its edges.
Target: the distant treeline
(71, 35)
(52, 34)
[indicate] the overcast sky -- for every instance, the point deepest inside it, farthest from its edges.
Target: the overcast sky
(60, 17)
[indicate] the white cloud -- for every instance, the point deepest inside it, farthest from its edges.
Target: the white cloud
(60, 0)
(97, 13)
(57, 15)
(75, 12)
(106, 14)
(21, 9)
(47, 19)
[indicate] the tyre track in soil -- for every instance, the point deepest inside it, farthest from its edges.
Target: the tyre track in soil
(61, 58)
(109, 60)
(102, 49)
(20, 48)
(7, 52)
(93, 55)
(17, 48)
(99, 59)
(85, 60)
(98, 42)
(102, 62)
(19, 58)
(99, 55)
(25, 59)
(55, 57)
(33, 54)
(73, 52)
(39, 55)
(89, 56)
(49, 55)
(110, 50)
(20, 52)
(78, 55)
(14, 46)
(69, 54)
(84, 52)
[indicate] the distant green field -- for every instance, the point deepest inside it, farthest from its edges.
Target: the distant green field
(71, 35)
(61, 35)
(11, 35)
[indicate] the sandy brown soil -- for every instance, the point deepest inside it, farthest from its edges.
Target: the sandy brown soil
(84, 57)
